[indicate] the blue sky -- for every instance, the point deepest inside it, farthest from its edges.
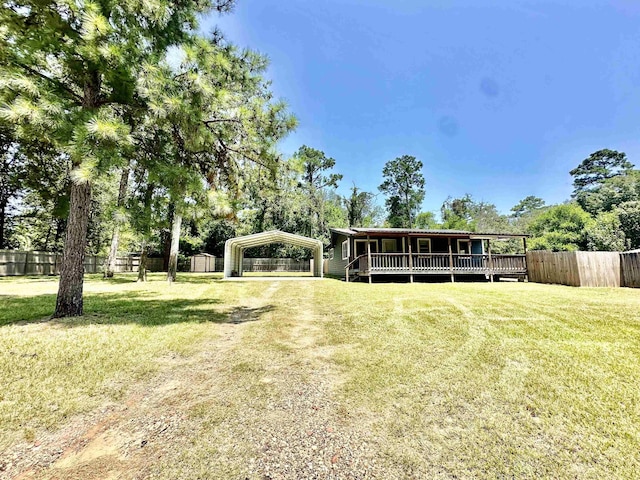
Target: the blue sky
(498, 98)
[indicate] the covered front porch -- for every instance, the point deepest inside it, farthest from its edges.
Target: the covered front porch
(436, 264)
(450, 254)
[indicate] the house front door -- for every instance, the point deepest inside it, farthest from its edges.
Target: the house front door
(361, 247)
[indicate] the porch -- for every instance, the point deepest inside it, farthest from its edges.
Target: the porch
(370, 264)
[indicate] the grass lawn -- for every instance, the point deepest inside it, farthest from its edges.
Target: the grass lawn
(290, 379)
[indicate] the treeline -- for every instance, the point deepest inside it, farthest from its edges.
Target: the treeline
(121, 119)
(123, 129)
(298, 195)
(603, 212)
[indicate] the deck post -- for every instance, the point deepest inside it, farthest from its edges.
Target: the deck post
(490, 260)
(451, 260)
(526, 267)
(410, 261)
(369, 256)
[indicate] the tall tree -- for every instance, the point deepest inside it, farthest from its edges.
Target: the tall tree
(119, 217)
(457, 213)
(39, 218)
(527, 206)
(629, 216)
(606, 234)
(561, 227)
(361, 211)
(465, 213)
(611, 193)
(404, 187)
(219, 114)
(315, 181)
(598, 167)
(426, 220)
(12, 173)
(70, 69)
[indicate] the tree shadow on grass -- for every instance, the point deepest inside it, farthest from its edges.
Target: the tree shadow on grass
(15, 309)
(127, 308)
(196, 278)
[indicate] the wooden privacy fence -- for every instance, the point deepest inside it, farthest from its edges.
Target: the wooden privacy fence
(630, 263)
(584, 269)
(275, 265)
(17, 263)
(268, 265)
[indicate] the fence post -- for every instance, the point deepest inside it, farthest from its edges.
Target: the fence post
(26, 263)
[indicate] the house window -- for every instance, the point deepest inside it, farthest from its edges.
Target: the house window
(424, 245)
(345, 250)
(331, 253)
(464, 247)
(389, 245)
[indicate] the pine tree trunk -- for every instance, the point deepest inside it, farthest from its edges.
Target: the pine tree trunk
(166, 241)
(60, 226)
(142, 268)
(175, 243)
(110, 264)
(69, 301)
(3, 209)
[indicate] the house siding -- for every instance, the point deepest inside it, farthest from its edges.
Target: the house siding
(336, 264)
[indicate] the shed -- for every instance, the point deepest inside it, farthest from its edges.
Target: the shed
(234, 249)
(203, 262)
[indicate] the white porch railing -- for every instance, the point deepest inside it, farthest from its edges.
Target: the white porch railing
(438, 263)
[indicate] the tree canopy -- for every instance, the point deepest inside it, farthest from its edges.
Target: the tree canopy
(598, 167)
(403, 186)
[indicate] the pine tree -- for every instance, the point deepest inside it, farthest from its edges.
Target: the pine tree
(68, 72)
(404, 186)
(219, 114)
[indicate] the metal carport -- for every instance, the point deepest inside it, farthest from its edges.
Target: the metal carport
(234, 249)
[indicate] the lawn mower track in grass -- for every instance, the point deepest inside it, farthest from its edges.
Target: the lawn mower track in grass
(319, 379)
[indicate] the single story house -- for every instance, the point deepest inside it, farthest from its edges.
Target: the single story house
(362, 253)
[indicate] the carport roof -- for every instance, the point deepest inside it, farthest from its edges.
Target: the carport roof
(274, 236)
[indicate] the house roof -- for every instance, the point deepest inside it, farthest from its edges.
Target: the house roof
(357, 232)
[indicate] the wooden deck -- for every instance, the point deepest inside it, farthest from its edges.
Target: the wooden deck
(436, 264)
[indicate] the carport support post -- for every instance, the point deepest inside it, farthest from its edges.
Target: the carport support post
(236, 257)
(369, 257)
(450, 259)
(318, 264)
(228, 265)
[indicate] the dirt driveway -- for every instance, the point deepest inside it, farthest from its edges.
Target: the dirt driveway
(229, 411)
